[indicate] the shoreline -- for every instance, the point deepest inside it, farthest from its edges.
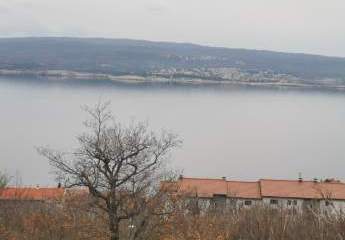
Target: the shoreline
(63, 75)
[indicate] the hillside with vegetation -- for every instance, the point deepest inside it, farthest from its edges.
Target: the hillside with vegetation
(144, 60)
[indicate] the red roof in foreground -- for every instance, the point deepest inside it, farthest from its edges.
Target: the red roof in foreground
(203, 187)
(210, 187)
(304, 189)
(17, 193)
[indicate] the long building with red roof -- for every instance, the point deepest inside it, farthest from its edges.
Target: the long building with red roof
(327, 194)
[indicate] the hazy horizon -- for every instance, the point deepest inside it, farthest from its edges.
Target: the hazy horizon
(286, 26)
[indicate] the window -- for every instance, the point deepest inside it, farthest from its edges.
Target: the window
(219, 201)
(292, 202)
(308, 203)
(247, 202)
(328, 203)
(274, 201)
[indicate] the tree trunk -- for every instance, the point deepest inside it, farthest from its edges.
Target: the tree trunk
(114, 227)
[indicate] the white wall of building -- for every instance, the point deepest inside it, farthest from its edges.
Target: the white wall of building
(331, 206)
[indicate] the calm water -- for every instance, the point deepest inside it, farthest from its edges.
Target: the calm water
(238, 132)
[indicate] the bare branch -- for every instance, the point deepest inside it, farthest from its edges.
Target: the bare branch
(118, 164)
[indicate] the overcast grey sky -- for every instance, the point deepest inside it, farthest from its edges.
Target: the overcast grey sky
(311, 26)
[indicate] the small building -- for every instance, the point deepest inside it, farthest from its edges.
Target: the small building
(31, 194)
(328, 195)
(29, 197)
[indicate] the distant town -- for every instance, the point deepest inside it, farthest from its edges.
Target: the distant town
(144, 61)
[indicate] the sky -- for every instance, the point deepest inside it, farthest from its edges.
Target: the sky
(309, 26)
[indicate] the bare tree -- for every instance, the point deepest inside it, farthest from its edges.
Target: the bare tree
(118, 164)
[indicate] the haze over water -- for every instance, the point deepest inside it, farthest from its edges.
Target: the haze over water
(238, 132)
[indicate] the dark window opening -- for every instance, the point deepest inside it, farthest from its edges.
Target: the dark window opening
(248, 202)
(219, 200)
(292, 202)
(274, 201)
(308, 203)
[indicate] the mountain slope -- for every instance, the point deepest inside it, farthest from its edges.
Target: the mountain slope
(121, 56)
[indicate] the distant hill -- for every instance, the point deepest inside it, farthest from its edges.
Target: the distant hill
(122, 56)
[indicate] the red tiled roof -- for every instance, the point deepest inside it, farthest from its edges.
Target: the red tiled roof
(14, 193)
(203, 187)
(302, 189)
(210, 187)
(244, 189)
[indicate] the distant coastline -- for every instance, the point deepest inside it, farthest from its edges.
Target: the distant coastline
(138, 61)
(57, 75)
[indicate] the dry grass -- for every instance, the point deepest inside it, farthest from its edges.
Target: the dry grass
(74, 220)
